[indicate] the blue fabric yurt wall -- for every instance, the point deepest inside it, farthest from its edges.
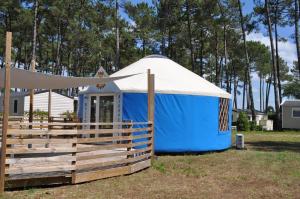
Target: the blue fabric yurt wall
(183, 123)
(80, 107)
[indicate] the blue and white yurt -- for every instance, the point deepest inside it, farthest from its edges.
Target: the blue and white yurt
(191, 114)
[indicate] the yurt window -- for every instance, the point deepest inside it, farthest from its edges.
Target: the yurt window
(223, 114)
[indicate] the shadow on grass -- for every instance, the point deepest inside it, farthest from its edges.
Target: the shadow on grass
(276, 146)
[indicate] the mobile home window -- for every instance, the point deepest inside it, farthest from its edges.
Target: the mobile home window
(296, 112)
(15, 106)
(223, 114)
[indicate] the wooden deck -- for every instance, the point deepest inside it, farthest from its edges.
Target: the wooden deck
(59, 153)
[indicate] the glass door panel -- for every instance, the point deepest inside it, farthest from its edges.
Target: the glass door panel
(106, 110)
(93, 102)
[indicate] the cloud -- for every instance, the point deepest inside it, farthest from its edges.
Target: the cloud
(287, 50)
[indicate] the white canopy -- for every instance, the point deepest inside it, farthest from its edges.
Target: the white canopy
(170, 78)
(34, 80)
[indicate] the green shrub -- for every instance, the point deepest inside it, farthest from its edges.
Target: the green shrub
(243, 122)
(38, 114)
(69, 115)
(252, 125)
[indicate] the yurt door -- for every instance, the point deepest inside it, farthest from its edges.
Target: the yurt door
(102, 110)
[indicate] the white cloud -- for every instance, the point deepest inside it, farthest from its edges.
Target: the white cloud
(287, 50)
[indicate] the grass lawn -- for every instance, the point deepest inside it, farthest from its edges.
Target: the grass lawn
(269, 168)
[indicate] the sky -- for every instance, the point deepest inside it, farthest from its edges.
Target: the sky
(287, 50)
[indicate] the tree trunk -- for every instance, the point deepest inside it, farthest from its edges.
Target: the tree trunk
(274, 66)
(263, 93)
(58, 49)
(297, 10)
(221, 72)
(33, 59)
(190, 34)
(268, 92)
(201, 53)
(248, 63)
(260, 88)
(235, 87)
(276, 50)
(244, 91)
(144, 47)
(225, 61)
(117, 61)
(169, 43)
(217, 77)
(163, 45)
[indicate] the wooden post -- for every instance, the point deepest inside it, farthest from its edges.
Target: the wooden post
(5, 109)
(129, 142)
(151, 101)
(49, 105)
(74, 154)
(49, 114)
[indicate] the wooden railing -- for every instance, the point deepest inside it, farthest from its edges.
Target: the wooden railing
(49, 153)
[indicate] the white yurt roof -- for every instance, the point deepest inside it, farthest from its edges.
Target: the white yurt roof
(170, 78)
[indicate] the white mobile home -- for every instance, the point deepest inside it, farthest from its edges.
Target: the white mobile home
(19, 103)
(291, 114)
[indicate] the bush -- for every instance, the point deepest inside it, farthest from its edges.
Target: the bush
(38, 114)
(252, 125)
(243, 122)
(69, 115)
(259, 128)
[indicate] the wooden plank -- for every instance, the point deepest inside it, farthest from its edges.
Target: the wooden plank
(111, 146)
(41, 150)
(41, 141)
(111, 131)
(36, 169)
(140, 166)
(5, 108)
(50, 180)
(49, 105)
(17, 132)
(81, 156)
(94, 164)
(101, 147)
(84, 124)
(60, 158)
(95, 175)
(113, 138)
(136, 144)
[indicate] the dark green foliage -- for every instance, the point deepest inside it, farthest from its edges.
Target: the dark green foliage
(292, 89)
(254, 127)
(243, 122)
